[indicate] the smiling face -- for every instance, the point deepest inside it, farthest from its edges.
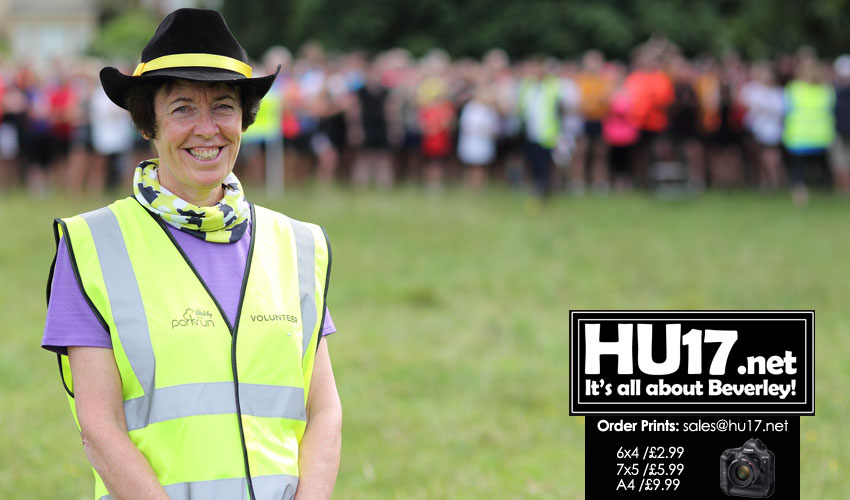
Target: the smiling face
(198, 133)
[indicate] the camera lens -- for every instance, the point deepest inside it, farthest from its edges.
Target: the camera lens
(742, 473)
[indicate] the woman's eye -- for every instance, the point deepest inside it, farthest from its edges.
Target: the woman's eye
(181, 109)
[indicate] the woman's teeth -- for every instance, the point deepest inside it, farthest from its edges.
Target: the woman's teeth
(204, 153)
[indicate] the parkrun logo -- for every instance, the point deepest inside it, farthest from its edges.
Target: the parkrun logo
(194, 317)
(258, 318)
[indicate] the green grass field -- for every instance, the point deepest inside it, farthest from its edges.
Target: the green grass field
(452, 310)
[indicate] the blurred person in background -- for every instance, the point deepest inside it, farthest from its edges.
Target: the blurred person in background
(324, 107)
(112, 138)
(323, 91)
(149, 295)
(333, 121)
(840, 151)
(726, 161)
(478, 128)
(370, 131)
(595, 88)
(652, 94)
(8, 135)
(262, 143)
(809, 126)
(436, 118)
(505, 80)
(721, 129)
(572, 128)
(465, 76)
(621, 134)
(13, 108)
(39, 149)
(296, 146)
(349, 77)
(684, 123)
(63, 117)
(81, 158)
(707, 87)
(304, 100)
(540, 104)
(763, 99)
(405, 103)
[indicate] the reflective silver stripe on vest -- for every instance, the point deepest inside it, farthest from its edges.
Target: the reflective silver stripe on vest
(305, 247)
(128, 312)
(214, 398)
(277, 487)
(166, 403)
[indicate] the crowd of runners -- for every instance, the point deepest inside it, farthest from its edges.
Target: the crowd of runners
(660, 121)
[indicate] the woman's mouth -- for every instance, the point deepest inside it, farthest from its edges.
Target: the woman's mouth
(204, 154)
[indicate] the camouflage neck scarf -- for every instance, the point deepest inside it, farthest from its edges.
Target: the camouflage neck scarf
(224, 222)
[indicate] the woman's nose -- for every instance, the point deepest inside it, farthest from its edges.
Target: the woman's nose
(206, 125)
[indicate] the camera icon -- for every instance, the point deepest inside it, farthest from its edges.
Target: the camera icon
(748, 471)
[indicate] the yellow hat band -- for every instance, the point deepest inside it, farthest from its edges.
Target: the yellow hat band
(194, 60)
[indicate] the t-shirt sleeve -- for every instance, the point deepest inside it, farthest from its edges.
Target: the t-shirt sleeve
(329, 327)
(70, 319)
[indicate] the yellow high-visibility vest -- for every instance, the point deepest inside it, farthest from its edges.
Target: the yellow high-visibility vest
(548, 113)
(218, 410)
(809, 120)
(267, 123)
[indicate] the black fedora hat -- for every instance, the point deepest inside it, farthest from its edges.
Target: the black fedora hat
(191, 44)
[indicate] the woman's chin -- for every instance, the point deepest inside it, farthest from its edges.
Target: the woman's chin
(207, 172)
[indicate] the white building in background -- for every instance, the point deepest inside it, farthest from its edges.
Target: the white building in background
(39, 31)
(166, 6)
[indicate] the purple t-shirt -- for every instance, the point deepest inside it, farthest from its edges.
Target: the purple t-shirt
(71, 322)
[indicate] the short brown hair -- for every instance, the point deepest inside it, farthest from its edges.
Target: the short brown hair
(140, 100)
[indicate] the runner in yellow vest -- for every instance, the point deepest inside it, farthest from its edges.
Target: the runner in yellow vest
(539, 106)
(809, 128)
(198, 399)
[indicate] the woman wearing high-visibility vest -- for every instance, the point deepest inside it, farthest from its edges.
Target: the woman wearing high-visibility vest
(809, 128)
(192, 319)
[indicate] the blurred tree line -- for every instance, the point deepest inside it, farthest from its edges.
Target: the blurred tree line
(756, 28)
